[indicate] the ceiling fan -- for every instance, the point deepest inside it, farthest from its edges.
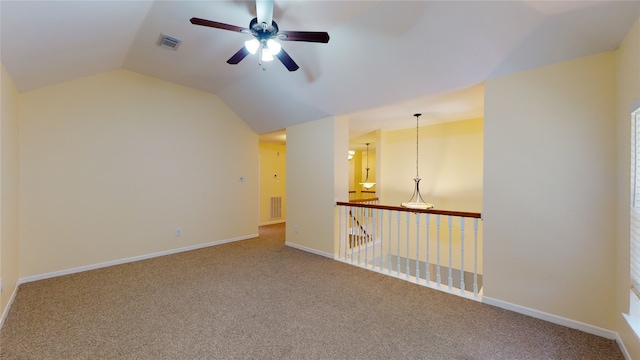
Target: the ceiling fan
(265, 32)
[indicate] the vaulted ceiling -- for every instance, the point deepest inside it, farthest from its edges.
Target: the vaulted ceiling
(385, 61)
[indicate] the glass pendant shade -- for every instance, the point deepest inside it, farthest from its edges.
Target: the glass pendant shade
(416, 201)
(265, 49)
(266, 55)
(274, 47)
(252, 45)
(368, 185)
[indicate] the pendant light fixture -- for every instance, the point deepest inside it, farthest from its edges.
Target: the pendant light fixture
(416, 201)
(366, 184)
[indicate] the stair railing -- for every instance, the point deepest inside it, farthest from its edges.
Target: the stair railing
(436, 248)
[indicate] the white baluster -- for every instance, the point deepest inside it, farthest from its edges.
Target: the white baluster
(427, 275)
(462, 255)
(366, 232)
(341, 234)
(373, 238)
(417, 247)
(359, 212)
(398, 253)
(408, 216)
(475, 258)
(348, 231)
(450, 256)
(370, 233)
(352, 239)
(389, 212)
(381, 223)
(438, 250)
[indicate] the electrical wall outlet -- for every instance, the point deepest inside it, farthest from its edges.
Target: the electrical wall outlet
(178, 232)
(296, 228)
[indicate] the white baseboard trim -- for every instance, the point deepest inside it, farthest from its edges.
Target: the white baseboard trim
(5, 313)
(131, 259)
(313, 251)
(623, 348)
(598, 331)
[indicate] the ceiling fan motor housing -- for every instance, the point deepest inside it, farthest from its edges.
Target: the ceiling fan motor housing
(263, 33)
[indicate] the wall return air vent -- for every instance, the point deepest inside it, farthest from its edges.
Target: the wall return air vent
(169, 42)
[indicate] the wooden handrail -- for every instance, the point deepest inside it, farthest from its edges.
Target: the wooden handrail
(363, 200)
(426, 211)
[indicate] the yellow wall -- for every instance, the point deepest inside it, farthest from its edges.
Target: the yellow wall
(628, 91)
(273, 180)
(549, 189)
(112, 164)
(450, 165)
(355, 174)
(317, 175)
(9, 229)
(358, 172)
(363, 170)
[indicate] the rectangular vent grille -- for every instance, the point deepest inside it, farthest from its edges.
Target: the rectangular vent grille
(169, 42)
(275, 211)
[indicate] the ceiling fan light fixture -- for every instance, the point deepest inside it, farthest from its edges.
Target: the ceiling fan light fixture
(266, 33)
(274, 46)
(266, 55)
(252, 45)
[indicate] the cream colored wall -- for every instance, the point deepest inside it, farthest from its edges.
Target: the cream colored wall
(450, 165)
(273, 179)
(9, 228)
(112, 164)
(549, 189)
(340, 166)
(628, 91)
(317, 171)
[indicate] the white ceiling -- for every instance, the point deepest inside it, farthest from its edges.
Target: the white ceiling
(386, 60)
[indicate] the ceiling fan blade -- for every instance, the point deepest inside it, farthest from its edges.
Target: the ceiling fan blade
(218, 25)
(309, 36)
(264, 10)
(238, 56)
(287, 61)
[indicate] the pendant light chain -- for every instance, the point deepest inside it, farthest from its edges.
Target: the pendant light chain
(367, 156)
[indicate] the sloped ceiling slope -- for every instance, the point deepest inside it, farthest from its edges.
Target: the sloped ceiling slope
(385, 61)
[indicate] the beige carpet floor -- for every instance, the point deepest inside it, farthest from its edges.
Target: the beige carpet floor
(259, 299)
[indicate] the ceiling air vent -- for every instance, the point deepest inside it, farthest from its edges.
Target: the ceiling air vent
(169, 42)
